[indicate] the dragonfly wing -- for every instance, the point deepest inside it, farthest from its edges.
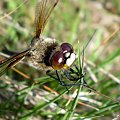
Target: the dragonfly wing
(10, 62)
(7, 65)
(42, 13)
(3, 69)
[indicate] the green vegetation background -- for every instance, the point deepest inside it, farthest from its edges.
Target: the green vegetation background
(71, 21)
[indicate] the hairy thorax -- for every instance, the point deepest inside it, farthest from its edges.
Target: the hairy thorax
(41, 51)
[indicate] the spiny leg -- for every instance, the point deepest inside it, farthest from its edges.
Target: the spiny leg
(72, 72)
(69, 76)
(48, 72)
(58, 78)
(82, 74)
(72, 78)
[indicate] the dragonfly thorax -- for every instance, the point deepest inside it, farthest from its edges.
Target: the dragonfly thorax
(41, 50)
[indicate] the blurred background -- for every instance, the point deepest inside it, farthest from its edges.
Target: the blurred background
(72, 21)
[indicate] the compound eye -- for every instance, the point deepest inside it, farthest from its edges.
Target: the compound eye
(57, 61)
(66, 47)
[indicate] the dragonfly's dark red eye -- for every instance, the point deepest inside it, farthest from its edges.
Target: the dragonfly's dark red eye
(57, 60)
(66, 47)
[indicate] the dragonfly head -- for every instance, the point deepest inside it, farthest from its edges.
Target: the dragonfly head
(64, 57)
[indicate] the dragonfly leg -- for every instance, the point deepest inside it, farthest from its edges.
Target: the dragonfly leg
(59, 78)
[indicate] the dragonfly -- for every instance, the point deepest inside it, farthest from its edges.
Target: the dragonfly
(45, 53)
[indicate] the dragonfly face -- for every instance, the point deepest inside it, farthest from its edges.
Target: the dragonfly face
(44, 53)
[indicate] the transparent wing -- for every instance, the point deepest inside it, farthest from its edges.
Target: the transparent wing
(9, 62)
(42, 13)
